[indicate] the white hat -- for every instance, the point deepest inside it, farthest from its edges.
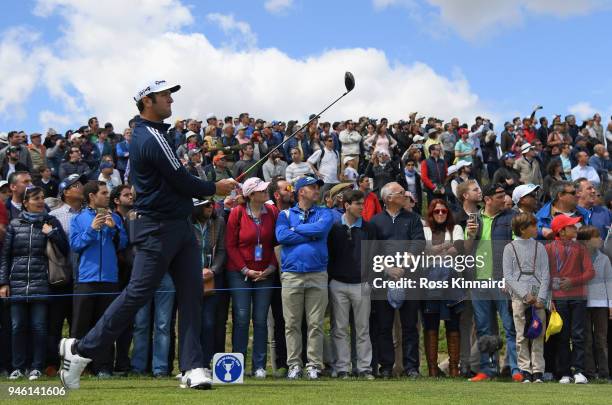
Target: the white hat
(3, 137)
(463, 163)
(452, 169)
(75, 135)
(522, 190)
(3, 183)
(347, 159)
(210, 116)
(190, 133)
(155, 87)
(418, 138)
(526, 147)
(254, 184)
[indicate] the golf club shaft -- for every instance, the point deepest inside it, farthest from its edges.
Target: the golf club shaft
(263, 159)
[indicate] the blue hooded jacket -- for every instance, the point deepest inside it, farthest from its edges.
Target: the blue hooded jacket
(97, 250)
(303, 237)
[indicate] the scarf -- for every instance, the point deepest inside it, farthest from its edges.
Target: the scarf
(409, 173)
(33, 216)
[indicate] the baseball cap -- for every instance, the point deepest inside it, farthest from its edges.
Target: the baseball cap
(526, 147)
(190, 134)
(433, 131)
(3, 183)
(218, 157)
(347, 159)
(307, 181)
(3, 137)
(561, 221)
(70, 180)
(155, 87)
(492, 189)
(418, 138)
(452, 169)
(533, 324)
(463, 163)
(194, 152)
(523, 190)
(463, 131)
(210, 116)
(268, 125)
(13, 148)
(105, 165)
(254, 184)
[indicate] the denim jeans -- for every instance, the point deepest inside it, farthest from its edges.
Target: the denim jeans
(258, 295)
(29, 330)
(209, 315)
(484, 311)
(163, 302)
(573, 313)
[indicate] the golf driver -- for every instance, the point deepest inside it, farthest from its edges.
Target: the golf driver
(349, 83)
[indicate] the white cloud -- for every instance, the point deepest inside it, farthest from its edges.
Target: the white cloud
(99, 63)
(18, 70)
(582, 110)
(472, 18)
(278, 6)
(239, 32)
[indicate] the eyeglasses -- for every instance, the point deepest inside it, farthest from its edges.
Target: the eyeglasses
(441, 211)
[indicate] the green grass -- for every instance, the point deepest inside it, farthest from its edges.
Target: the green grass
(326, 391)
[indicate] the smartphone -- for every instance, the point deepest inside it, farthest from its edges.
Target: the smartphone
(101, 211)
(473, 218)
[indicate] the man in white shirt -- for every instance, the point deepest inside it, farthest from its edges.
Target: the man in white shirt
(298, 168)
(350, 140)
(582, 169)
(325, 163)
(274, 166)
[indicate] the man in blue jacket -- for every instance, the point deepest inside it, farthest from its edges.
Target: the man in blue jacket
(564, 201)
(163, 237)
(302, 232)
(96, 235)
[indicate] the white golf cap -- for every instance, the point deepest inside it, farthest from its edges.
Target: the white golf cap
(418, 138)
(347, 159)
(452, 169)
(463, 163)
(155, 87)
(522, 190)
(3, 183)
(210, 116)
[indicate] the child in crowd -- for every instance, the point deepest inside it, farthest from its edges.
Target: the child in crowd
(350, 173)
(599, 305)
(525, 265)
(570, 269)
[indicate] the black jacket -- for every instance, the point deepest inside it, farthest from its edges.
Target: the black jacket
(344, 263)
(19, 167)
(401, 179)
(164, 188)
(24, 263)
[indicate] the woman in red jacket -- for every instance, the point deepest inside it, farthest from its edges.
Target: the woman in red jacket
(249, 242)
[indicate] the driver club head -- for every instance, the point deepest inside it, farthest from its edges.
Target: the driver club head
(349, 81)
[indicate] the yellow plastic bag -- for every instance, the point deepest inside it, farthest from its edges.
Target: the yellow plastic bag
(554, 324)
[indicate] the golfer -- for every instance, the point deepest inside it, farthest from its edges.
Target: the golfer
(164, 241)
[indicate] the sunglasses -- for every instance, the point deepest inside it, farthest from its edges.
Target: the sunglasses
(441, 211)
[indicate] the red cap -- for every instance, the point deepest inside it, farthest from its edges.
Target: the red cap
(561, 221)
(218, 157)
(463, 131)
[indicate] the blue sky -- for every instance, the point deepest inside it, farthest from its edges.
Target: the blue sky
(554, 54)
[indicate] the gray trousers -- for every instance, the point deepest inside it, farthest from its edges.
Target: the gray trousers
(343, 297)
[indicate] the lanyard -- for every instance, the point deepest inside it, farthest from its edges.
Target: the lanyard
(256, 221)
(566, 250)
